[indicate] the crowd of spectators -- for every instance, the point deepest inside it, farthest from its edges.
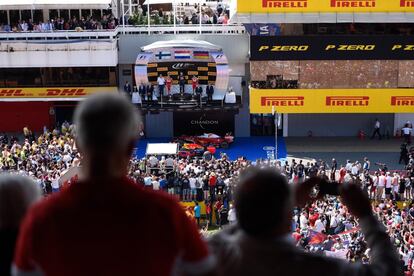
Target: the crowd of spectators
(107, 22)
(324, 226)
(189, 14)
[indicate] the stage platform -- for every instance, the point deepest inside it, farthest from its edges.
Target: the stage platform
(251, 147)
(343, 148)
(189, 104)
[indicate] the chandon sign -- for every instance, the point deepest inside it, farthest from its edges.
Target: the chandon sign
(196, 123)
(201, 123)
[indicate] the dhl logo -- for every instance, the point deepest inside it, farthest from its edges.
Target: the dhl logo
(347, 101)
(353, 4)
(65, 92)
(284, 3)
(283, 101)
(11, 93)
(402, 101)
(406, 3)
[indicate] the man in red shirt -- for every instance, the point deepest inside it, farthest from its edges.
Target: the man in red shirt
(105, 224)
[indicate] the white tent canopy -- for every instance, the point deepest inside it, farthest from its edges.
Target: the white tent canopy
(181, 44)
(162, 149)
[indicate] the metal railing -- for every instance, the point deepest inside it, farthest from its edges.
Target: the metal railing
(184, 29)
(227, 29)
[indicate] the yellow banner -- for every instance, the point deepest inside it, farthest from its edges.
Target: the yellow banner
(53, 92)
(332, 100)
(276, 6)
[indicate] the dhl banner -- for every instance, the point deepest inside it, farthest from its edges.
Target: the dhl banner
(52, 93)
(332, 100)
(336, 47)
(303, 6)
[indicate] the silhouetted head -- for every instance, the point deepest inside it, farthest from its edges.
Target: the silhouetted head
(107, 128)
(263, 203)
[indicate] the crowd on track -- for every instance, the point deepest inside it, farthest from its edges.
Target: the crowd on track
(324, 226)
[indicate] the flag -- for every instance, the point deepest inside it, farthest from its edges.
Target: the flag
(182, 54)
(163, 55)
(316, 238)
(201, 55)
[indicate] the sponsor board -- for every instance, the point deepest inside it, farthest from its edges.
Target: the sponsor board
(303, 6)
(331, 100)
(52, 92)
(337, 47)
(206, 71)
(198, 123)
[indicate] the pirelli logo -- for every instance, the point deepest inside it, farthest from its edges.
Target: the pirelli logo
(406, 3)
(402, 101)
(347, 101)
(283, 101)
(285, 3)
(353, 4)
(11, 93)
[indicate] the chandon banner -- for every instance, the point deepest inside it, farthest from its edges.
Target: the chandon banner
(332, 47)
(197, 123)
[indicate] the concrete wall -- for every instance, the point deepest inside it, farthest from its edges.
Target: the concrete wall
(77, 54)
(159, 125)
(337, 124)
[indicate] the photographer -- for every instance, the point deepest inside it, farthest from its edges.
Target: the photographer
(260, 244)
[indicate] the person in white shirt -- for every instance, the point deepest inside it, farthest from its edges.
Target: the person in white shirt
(193, 188)
(161, 85)
(319, 226)
(354, 169)
(334, 222)
(155, 184)
(348, 166)
(388, 185)
(381, 186)
(406, 132)
(153, 163)
(373, 190)
(169, 164)
(303, 221)
(377, 128)
(395, 187)
(231, 216)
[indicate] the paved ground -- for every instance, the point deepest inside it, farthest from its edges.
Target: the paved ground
(341, 148)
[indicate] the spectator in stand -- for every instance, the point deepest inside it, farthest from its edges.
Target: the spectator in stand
(17, 193)
(258, 245)
(77, 222)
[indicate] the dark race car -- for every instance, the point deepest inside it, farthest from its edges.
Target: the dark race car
(207, 139)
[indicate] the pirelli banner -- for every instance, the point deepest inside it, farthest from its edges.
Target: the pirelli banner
(343, 47)
(341, 6)
(52, 93)
(332, 100)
